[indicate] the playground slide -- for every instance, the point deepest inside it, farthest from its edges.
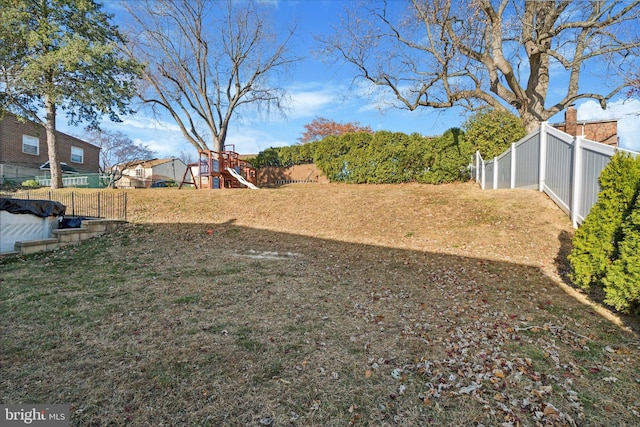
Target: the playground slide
(240, 178)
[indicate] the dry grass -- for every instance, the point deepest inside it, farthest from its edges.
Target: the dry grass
(319, 305)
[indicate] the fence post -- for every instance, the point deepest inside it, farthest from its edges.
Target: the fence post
(484, 176)
(576, 185)
(542, 169)
(495, 173)
(477, 165)
(513, 165)
(99, 205)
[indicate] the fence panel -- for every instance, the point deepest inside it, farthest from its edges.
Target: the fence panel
(565, 168)
(488, 175)
(67, 181)
(111, 205)
(559, 171)
(504, 170)
(527, 164)
(594, 159)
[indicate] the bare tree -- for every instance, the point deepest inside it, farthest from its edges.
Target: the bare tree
(117, 148)
(188, 157)
(445, 53)
(207, 62)
(633, 80)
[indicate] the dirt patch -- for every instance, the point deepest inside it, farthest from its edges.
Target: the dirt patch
(319, 305)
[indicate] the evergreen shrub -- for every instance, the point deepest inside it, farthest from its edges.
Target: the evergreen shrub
(622, 282)
(448, 158)
(492, 132)
(595, 242)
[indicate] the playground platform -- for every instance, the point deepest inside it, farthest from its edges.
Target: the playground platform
(220, 169)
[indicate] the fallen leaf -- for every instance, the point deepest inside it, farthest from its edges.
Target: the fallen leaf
(550, 411)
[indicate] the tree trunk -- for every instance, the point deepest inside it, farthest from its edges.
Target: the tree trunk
(52, 146)
(530, 124)
(530, 119)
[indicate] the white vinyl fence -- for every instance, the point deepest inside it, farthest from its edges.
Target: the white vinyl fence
(67, 181)
(566, 168)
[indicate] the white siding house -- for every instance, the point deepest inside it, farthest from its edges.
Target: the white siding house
(148, 173)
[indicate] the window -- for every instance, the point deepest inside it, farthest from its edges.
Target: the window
(30, 145)
(139, 172)
(77, 155)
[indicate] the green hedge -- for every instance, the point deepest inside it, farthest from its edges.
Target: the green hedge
(448, 159)
(381, 157)
(603, 251)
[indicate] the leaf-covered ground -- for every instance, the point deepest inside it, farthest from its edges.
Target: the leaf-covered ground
(319, 305)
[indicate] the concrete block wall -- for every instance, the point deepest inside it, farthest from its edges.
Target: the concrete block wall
(68, 236)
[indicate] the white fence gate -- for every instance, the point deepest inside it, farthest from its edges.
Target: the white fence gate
(566, 168)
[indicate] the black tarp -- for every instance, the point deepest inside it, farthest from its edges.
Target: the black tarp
(72, 222)
(41, 208)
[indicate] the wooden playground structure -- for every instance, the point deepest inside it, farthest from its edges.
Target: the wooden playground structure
(221, 169)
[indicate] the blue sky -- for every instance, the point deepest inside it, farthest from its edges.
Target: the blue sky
(318, 89)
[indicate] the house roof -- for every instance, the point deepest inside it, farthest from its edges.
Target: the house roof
(148, 163)
(586, 122)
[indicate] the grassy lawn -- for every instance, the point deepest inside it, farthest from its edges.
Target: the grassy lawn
(319, 305)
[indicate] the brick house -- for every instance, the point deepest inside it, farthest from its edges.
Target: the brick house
(604, 131)
(23, 150)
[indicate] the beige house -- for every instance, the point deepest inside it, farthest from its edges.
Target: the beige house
(150, 173)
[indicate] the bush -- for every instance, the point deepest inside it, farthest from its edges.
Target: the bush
(268, 157)
(31, 183)
(381, 157)
(595, 242)
(298, 154)
(622, 282)
(331, 155)
(491, 132)
(385, 157)
(448, 159)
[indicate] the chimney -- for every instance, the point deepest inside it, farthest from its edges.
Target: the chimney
(571, 120)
